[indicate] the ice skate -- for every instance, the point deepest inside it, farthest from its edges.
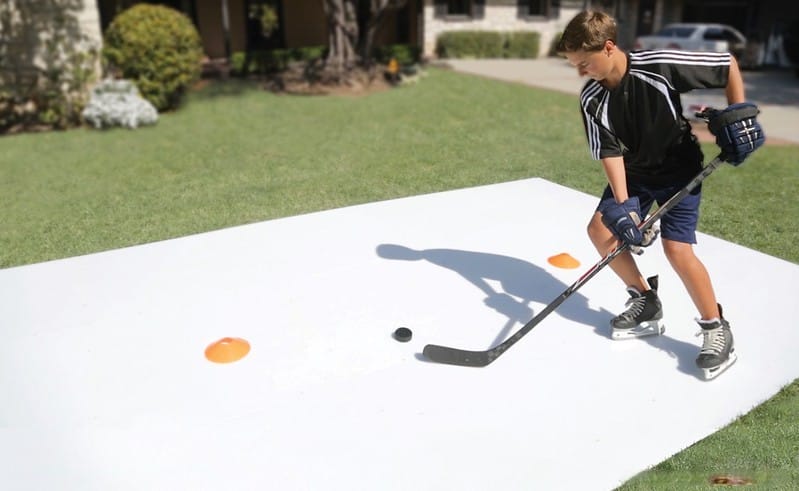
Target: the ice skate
(718, 347)
(643, 317)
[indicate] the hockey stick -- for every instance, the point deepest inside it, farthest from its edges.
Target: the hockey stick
(455, 356)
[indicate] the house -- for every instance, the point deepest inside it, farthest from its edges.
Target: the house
(225, 26)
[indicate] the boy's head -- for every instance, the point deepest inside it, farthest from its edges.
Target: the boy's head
(587, 31)
(589, 44)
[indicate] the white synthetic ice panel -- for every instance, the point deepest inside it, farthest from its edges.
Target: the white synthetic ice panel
(104, 384)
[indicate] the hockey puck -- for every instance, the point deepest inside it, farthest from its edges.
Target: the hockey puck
(403, 334)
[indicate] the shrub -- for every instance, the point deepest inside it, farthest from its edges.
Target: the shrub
(276, 60)
(521, 44)
(156, 47)
(118, 103)
(404, 54)
(469, 44)
(488, 44)
(272, 61)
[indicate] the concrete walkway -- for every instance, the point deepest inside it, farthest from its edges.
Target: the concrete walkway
(775, 92)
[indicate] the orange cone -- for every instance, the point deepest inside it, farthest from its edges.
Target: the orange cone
(564, 260)
(227, 350)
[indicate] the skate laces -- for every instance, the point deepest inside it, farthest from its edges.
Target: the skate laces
(714, 339)
(636, 304)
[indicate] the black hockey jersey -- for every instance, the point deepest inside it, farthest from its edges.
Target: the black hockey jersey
(641, 119)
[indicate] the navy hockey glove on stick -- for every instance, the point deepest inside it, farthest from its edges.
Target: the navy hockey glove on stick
(737, 131)
(622, 219)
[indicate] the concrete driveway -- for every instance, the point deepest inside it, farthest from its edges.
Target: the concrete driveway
(776, 92)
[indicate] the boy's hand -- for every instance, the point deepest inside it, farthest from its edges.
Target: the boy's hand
(622, 219)
(737, 131)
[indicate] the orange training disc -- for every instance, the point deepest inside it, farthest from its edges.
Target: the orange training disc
(564, 260)
(227, 350)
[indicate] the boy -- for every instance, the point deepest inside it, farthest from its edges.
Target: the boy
(633, 120)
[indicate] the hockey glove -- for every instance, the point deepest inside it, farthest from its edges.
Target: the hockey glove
(623, 219)
(737, 131)
(647, 237)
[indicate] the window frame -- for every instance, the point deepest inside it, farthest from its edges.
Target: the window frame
(475, 10)
(523, 9)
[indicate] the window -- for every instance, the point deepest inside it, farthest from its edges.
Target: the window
(533, 8)
(537, 7)
(459, 9)
(676, 31)
(714, 34)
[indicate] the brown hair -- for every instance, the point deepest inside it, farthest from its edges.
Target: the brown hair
(587, 31)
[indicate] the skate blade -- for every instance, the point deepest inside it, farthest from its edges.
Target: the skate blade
(644, 329)
(711, 373)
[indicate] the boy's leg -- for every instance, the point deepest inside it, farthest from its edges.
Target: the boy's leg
(604, 241)
(694, 276)
(718, 347)
(678, 233)
(624, 265)
(644, 315)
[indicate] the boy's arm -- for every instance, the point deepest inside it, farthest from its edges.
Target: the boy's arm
(735, 83)
(614, 170)
(736, 129)
(621, 214)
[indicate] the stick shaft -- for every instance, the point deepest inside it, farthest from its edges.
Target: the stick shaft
(455, 356)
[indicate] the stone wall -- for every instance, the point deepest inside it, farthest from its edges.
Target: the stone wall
(89, 20)
(37, 35)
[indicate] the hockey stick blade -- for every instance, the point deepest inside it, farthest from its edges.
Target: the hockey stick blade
(454, 356)
(466, 358)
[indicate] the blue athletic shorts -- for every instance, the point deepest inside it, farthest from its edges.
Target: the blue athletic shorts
(679, 223)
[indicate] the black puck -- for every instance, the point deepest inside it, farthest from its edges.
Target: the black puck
(403, 334)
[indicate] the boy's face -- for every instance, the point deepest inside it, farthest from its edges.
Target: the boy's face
(594, 64)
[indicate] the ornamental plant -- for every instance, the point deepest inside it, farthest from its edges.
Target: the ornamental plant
(118, 103)
(156, 47)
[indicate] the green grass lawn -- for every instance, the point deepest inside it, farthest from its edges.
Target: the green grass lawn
(235, 154)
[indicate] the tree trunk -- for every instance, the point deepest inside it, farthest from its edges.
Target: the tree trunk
(342, 37)
(349, 46)
(379, 9)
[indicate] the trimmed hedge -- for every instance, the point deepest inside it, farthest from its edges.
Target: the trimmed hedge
(522, 44)
(488, 44)
(470, 44)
